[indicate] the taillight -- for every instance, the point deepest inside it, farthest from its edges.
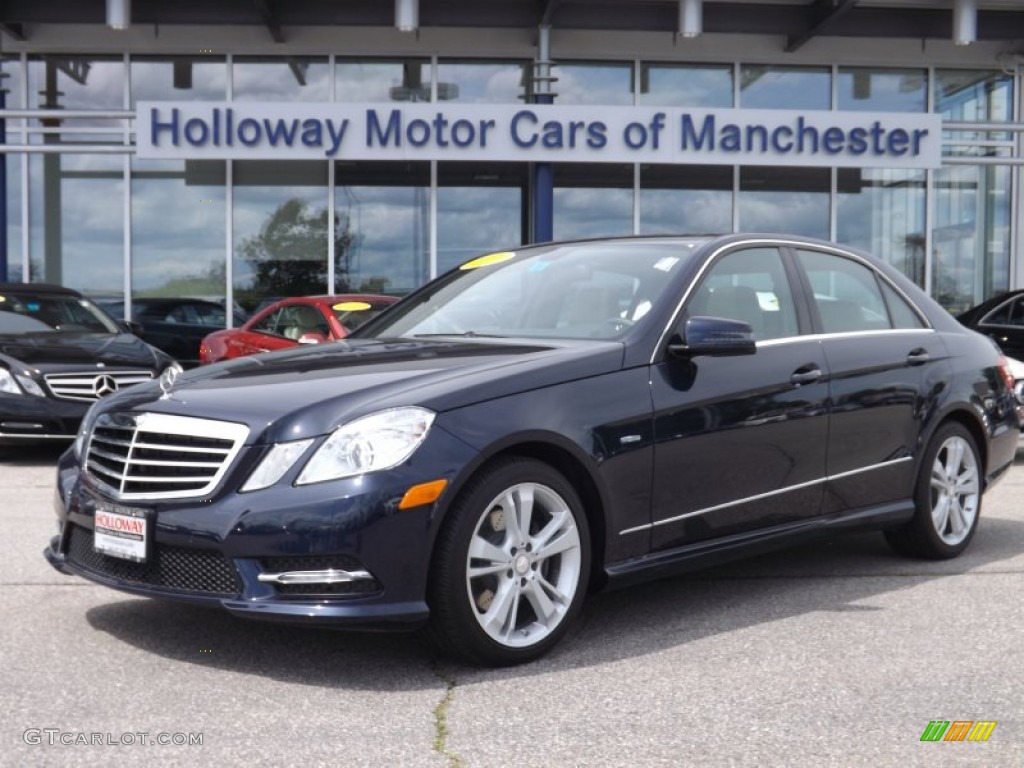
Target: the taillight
(1007, 374)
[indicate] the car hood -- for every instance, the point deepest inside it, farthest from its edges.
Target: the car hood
(44, 351)
(310, 391)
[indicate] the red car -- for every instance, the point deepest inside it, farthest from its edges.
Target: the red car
(298, 320)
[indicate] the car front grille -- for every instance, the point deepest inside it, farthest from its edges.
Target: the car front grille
(87, 386)
(160, 456)
(198, 571)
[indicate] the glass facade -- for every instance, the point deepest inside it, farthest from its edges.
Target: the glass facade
(113, 225)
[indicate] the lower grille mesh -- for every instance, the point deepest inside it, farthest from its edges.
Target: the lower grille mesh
(180, 569)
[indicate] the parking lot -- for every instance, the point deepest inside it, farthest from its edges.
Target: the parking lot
(833, 654)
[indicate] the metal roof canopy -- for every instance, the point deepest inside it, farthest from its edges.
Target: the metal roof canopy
(797, 20)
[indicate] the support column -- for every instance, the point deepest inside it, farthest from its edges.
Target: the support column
(3, 186)
(542, 175)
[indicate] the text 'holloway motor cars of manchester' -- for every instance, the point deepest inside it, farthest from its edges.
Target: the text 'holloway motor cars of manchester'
(538, 423)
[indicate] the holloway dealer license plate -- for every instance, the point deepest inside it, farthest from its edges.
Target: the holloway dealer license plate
(121, 532)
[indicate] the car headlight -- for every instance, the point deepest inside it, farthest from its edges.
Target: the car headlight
(9, 382)
(369, 444)
(275, 464)
(30, 385)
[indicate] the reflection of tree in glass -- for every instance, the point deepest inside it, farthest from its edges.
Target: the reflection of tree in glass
(289, 255)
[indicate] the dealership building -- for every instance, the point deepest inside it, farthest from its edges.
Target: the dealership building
(251, 148)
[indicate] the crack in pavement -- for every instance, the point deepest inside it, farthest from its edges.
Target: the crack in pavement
(441, 716)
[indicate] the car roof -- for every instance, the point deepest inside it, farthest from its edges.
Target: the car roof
(159, 301)
(38, 288)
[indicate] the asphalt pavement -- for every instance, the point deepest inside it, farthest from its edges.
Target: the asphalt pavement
(838, 653)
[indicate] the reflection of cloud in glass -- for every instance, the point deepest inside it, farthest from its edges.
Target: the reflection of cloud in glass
(593, 84)
(764, 87)
(886, 218)
(685, 211)
(793, 213)
(177, 231)
(484, 83)
(593, 212)
(90, 227)
(891, 90)
(974, 95)
(372, 81)
(389, 228)
(276, 81)
(103, 88)
(474, 220)
(687, 86)
(154, 80)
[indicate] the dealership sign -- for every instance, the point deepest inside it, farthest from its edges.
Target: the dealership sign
(538, 133)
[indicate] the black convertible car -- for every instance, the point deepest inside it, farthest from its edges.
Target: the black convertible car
(176, 326)
(59, 353)
(541, 422)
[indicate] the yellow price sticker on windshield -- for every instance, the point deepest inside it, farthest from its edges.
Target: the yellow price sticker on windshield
(486, 261)
(351, 306)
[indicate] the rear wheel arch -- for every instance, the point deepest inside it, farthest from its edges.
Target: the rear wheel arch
(972, 424)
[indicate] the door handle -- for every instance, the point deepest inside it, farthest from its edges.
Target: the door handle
(807, 374)
(918, 356)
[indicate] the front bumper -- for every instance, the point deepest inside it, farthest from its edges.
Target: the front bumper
(370, 560)
(24, 418)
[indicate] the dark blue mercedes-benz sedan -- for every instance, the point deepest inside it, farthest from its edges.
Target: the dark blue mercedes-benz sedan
(541, 422)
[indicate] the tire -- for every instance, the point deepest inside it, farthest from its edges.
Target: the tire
(499, 596)
(947, 498)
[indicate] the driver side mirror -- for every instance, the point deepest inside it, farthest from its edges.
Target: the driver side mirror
(714, 337)
(312, 338)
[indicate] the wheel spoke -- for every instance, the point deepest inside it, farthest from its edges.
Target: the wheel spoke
(967, 481)
(541, 603)
(552, 590)
(562, 542)
(496, 619)
(940, 513)
(524, 511)
(508, 502)
(956, 518)
(475, 572)
(556, 525)
(481, 549)
(954, 457)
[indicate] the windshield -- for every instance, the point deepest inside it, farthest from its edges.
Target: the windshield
(352, 314)
(47, 313)
(573, 291)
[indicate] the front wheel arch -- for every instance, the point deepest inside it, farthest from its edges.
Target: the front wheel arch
(482, 598)
(566, 463)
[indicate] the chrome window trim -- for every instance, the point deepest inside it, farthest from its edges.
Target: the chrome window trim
(984, 320)
(840, 335)
(781, 243)
(768, 494)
